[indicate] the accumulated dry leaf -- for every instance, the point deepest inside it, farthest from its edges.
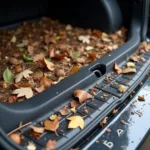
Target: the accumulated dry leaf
(92, 55)
(53, 117)
(31, 146)
(44, 81)
(65, 110)
(27, 92)
(121, 88)
(130, 64)
(134, 58)
(52, 125)
(50, 145)
(114, 111)
(84, 39)
(103, 122)
(75, 122)
(22, 74)
(74, 70)
(73, 110)
(74, 103)
(38, 57)
(128, 70)
(93, 91)
(37, 129)
(117, 68)
(141, 98)
(122, 121)
(108, 130)
(40, 89)
(82, 95)
(49, 65)
(88, 48)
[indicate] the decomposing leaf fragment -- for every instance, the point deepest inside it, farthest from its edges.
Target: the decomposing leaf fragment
(8, 76)
(37, 129)
(52, 125)
(141, 98)
(31, 146)
(40, 89)
(84, 38)
(121, 88)
(93, 91)
(117, 68)
(75, 122)
(74, 103)
(16, 138)
(65, 110)
(14, 39)
(49, 65)
(73, 110)
(50, 145)
(82, 95)
(74, 70)
(122, 121)
(22, 74)
(92, 55)
(103, 122)
(27, 92)
(44, 81)
(130, 64)
(128, 70)
(88, 48)
(108, 130)
(38, 57)
(114, 111)
(68, 27)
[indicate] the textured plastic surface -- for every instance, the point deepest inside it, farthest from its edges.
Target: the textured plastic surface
(50, 101)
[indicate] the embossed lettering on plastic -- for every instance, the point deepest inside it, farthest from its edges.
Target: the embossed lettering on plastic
(120, 132)
(109, 144)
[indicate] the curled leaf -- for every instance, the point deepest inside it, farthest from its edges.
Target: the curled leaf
(8, 76)
(75, 122)
(74, 103)
(65, 110)
(117, 68)
(82, 95)
(103, 122)
(128, 70)
(37, 129)
(49, 65)
(50, 145)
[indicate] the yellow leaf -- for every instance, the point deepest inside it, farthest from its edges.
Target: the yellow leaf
(130, 64)
(76, 121)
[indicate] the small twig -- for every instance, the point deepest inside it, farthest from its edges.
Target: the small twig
(19, 128)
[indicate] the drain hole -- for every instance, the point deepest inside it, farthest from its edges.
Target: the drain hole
(97, 73)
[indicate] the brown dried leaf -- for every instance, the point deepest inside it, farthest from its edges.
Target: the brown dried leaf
(134, 58)
(103, 122)
(12, 99)
(82, 95)
(93, 91)
(40, 89)
(35, 134)
(38, 57)
(121, 88)
(74, 103)
(108, 130)
(117, 68)
(74, 70)
(59, 56)
(51, 145)
(52, 125)
(38, 74)
(128, 70)
(65, 110)
(122, 121)
(37, 129)
(30, 49)
(141, 98)
(49, 65)
(92, 55)
(45, 82)
(51, 53)
(97, 33)
(23, 85)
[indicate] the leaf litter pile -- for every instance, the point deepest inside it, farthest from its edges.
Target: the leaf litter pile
(37, 55)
